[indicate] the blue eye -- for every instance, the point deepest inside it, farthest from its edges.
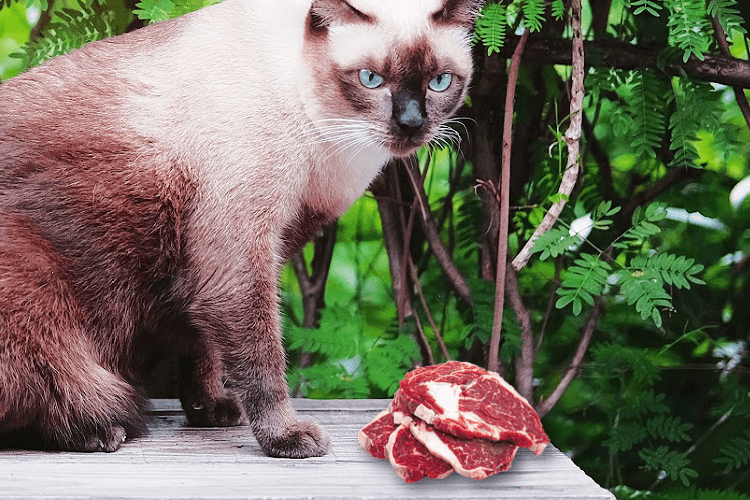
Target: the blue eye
(440, 82)
(370, 79)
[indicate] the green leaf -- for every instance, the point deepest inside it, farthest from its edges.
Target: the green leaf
(649, 6)
(673, 463)
(737, 453)
(533, 13)
(491, 26)
(668, 427)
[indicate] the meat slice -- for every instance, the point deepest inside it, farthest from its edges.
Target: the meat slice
(467, 401)
(410, 459)
(474, 458)
(374, 436)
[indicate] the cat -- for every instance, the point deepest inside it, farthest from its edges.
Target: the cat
(152, 184)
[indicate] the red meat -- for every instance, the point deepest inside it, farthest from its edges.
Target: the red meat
(410, 459)
(467, 401)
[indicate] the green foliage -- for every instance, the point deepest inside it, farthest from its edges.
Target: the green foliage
(72, 29)
(533, 13)
(642, 281)
(737, 453)
(649, 6)
(647, 110)
(625, 493)
(161, 10)
(728, 16)
(688, 27)
(492, 26)
(585, 279)
(558, 9)
(673, 463)
(638, 415)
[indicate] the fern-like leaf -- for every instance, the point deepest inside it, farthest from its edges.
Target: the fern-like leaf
(72, 29)
(673, 463)
(387, 362)
(161, 10)
(555, 242)
(649, 6)
(667, 427)
(689, 27)
(644, 225)
(737, 453)
(533, 13)
(624, 436)
(155, 10)
(672, 269)
(646, 108)
(728, 16)
(558, 9)
(492, 26)
(584, 280)
(646, 291)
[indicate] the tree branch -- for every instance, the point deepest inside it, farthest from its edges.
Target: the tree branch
(622, 55)
(525, 363)
(570, 373)
(457, 280)
(572, 138)
(387, 193)
(739, 94)
(503, 186)
(313, 284)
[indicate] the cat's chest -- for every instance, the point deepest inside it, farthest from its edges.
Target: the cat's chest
(337, 180)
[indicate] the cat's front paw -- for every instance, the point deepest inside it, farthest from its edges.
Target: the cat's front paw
(222, 412)
(107, 440)
(300, 439)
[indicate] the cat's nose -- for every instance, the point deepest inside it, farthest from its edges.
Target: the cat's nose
(408, 114)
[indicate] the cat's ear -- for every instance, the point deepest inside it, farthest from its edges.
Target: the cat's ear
(324, 13)
(461, 12)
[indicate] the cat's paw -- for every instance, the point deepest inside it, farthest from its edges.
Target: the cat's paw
(107, 440)
(222, 412)
(300, 439)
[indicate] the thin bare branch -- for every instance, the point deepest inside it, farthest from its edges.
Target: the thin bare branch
(739, 94)
(396, 236)
(312, 284)
(503, 186)
(426, 308)
(572, 138)
(525, 363)
(425, 342)
(575, 364)
(456, 279)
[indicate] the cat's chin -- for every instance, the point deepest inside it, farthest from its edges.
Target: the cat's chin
(404, 149)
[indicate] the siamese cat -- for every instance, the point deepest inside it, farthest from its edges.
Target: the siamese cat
(153, 184)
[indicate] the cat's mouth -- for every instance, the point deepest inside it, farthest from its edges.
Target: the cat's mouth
(404, 146)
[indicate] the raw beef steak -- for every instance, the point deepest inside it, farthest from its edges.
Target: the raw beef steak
(467, 401)
(474, 458)
(374, 436)
(410, 459)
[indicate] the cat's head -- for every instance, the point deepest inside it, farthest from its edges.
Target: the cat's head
(388, 73)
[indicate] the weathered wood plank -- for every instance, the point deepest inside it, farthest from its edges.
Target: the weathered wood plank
(176, 461)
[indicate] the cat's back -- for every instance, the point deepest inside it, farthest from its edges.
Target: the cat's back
(221, 53)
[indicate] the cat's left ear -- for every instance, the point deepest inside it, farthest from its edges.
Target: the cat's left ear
(324, 13)
(462, 12)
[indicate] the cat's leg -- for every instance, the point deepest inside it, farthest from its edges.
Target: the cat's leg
(239, 310)
(51, 381)
(203, 394)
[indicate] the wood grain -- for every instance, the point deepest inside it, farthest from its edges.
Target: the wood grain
(180, 462)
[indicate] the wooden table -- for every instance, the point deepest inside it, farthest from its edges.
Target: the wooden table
(176, 461)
